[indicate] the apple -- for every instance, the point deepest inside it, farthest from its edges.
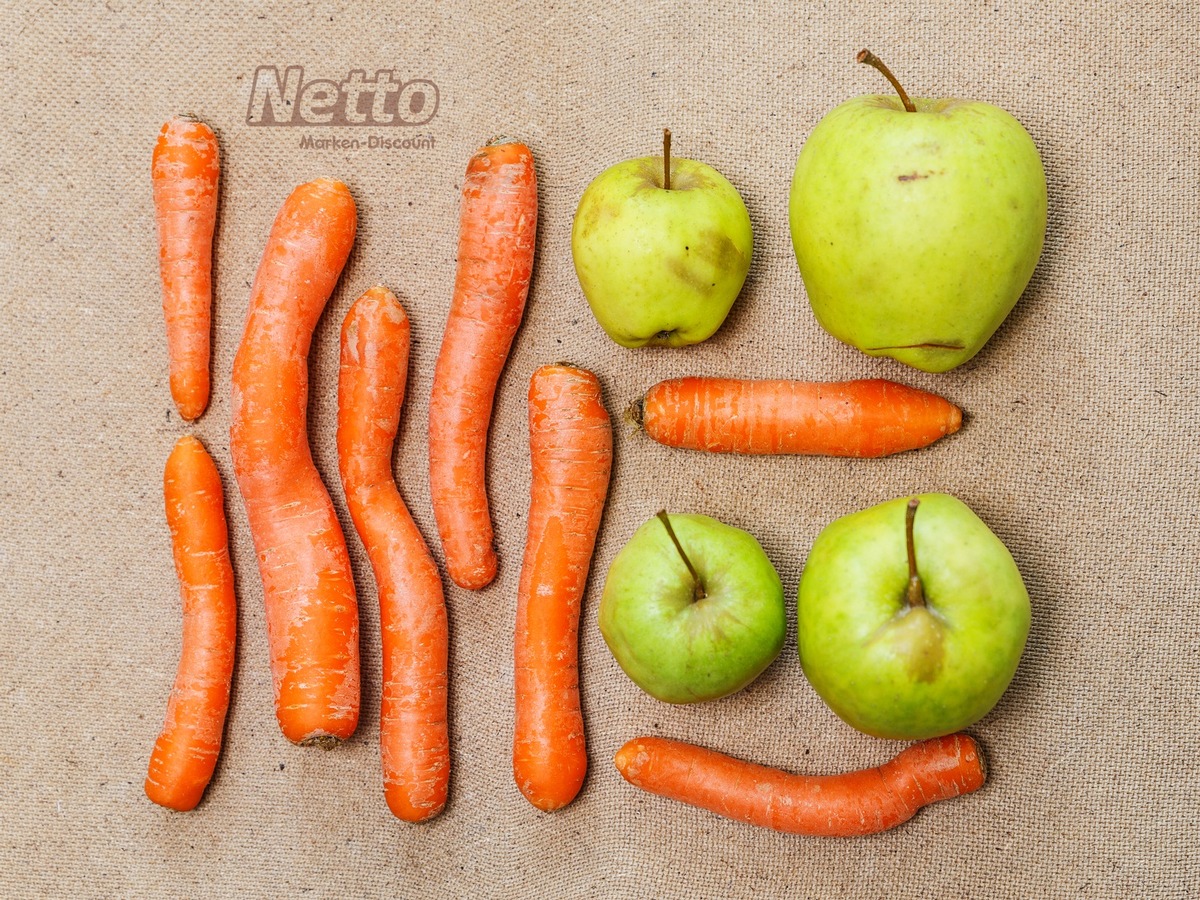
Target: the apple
(917, 224)
(692, 608)
(661, 248)
(911, 625)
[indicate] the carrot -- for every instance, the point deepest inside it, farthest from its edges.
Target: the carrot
(495, 259)
(570, 447)
(186, 751)
(308, 590)
(413, 738)
(184, 171)
(851, 418)
(847, 805)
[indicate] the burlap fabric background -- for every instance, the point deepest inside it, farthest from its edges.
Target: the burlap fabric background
(1080, 451)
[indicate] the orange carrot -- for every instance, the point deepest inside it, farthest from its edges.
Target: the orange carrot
(413, 738)
(570, 448)
(186, 751)
(308, 590)
(851, 418)
(847, 805)
(495, 259)
(184, 173)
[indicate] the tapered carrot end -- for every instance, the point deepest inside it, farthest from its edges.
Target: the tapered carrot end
(631, 759)
(405, 809)
(474, 575)
(955, 420)
(179, 799)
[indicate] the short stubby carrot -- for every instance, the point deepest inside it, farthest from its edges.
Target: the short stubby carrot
(498, 224)
(867, 418)
(186, 751)
(846, 805)
(414, 741)
(308, 589)
(570, 448)
(184, 171)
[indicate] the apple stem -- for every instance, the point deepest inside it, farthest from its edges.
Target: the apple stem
(697, 584)
(866, 56)
(916, 591)
(667, 161)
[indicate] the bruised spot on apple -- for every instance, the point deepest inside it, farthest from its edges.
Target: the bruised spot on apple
(661, 248)
(692, 609)
(911, 624)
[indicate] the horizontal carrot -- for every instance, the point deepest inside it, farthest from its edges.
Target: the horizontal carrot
(570, 449)
(184, 171)
(497, 228)
(847, 805)
(867, 418)
(308, 588)
(186, 751)
(413, 739)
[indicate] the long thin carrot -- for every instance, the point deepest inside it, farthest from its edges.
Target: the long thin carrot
(851, 418)
(498, 224)
(308, 589)
(847, 805)
(184, 172)
(186, 751)
(570, 447)
(413, 738)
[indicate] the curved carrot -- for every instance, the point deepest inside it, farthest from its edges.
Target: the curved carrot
(570, 448)
(851, 418)
(413, 738)
(186, 751)
(847, 805)
(184, 173)
(495, 259)
(308, 590)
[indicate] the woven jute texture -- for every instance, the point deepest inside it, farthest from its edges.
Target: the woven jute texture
(1080, 450)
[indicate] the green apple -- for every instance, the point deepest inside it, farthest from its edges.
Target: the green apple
(661, 248)
(692, 608)
(911, 625)
(916, 231)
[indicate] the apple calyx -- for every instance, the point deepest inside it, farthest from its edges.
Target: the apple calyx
(866, 56)
(916, 590)
(666, 159)
(697, 585)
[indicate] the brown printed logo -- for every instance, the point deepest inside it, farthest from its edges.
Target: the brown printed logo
(283, 99)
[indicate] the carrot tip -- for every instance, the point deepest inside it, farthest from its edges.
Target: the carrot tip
(500, 140)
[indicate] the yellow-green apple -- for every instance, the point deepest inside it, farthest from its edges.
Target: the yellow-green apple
(911, 626)
(692, 608)
(661, 248)
(917, 223)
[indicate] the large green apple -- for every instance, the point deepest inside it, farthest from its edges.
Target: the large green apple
(692, 608)
(916, 232)
(911, 643)
(660, 265)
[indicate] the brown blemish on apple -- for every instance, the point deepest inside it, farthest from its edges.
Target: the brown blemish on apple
(926, 346)
(912, 176)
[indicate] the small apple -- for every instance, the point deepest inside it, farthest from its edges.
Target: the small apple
(692, 608)
(917, 223)
(661, 248)
(911, 626)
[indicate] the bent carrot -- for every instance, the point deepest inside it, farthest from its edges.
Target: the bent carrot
(498, 224)
(186, 751)
(413, 739)
(847, 805)
(184, 172)
(867, 418)
(308, 589)
(570, 448)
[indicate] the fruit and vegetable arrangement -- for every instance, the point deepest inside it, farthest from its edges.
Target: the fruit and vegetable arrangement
(916, 225)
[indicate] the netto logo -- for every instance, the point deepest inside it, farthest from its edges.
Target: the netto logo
(290, 100)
